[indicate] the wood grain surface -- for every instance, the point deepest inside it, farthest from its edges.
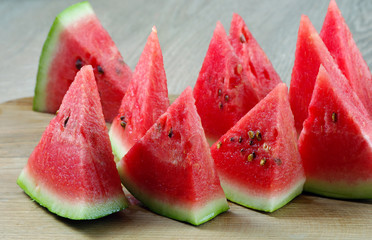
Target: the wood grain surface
(306, 217)
(184, 27)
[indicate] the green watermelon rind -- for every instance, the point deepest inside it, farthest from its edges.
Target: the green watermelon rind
(66, 17)
(183, 213)
(65, 208)
(340, 190)
(242, 197)
(118, 148)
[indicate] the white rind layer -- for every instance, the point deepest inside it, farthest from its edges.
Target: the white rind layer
(77, 210)
(250, 198)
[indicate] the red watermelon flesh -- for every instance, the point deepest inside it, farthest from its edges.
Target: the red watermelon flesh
(257, 159)
(146, 99)
(223, 93)
(170, 169)
(340, 43)
(335, 143)
(310, 53)
(72, 170)
(77, 38)
(253, 57)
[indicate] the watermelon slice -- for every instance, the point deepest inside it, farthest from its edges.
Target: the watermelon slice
(253, 57)
(170, 169)
(72, 170)
(335, 143)
(75, 39)
(146, 99)
(257, 159)
(340, 43)
(223, 93)
(310, 53)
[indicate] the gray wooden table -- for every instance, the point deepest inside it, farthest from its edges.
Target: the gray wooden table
(184, 28)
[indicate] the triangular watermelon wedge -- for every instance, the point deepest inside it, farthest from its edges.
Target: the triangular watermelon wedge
(257, 159)
(253, 57)
(72, 170)
(145, 100)
(340, 43)
(170, 169)
(75, 39)
(335, 143)
(310, 53)
(223, 93)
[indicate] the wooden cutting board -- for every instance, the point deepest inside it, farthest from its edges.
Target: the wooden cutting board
(305, 217)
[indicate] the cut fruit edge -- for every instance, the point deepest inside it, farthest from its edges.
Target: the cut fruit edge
(119, 148)
(68, 16)
(341, 190)
(192, 214)
(241, 195)
(69, 209)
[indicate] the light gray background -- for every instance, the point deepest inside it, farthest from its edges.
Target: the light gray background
(184, 29)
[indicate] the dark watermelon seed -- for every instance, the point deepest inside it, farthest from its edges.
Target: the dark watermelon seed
(242, 150)
(66, 121)
(219, 92)
(258, 135)
(78, 64)
(242, 38)
(251, 134)
(123, 124)
(220, 105)
(251, 142)
(278, 161)
(334, 117)
(263, 161)
(240, 139)
(170, 133)
(232, 139)
(227, 98)
(122, 118)
(219, 145)
(100, 69)
(251, 156)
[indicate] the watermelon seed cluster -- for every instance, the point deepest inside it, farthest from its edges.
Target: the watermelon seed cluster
(123, 123)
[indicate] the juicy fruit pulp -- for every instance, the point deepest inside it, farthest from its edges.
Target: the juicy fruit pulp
(253, 57)
(145, 100)
(77, 38)
(72, 170)
(257, 159)
(223, 93)
(171, 170)
(310, 53)
(340, 43)
(335, 143)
